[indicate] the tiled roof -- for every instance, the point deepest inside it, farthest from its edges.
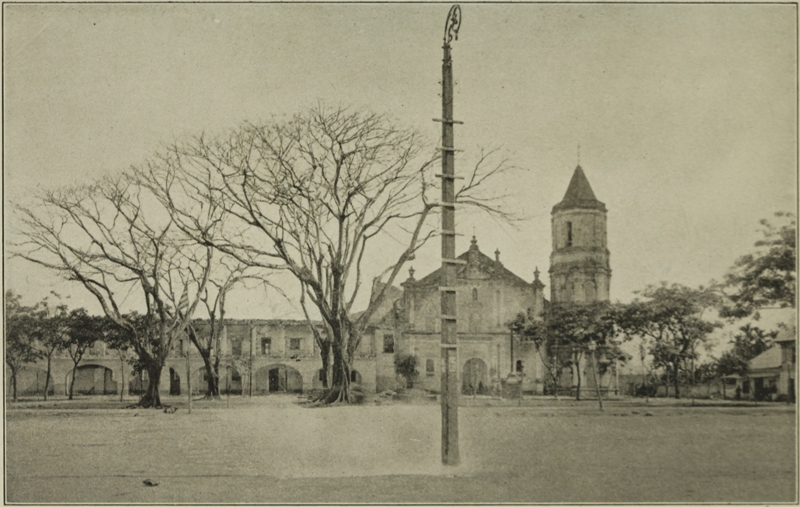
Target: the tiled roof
(770, 358)
(579, 194)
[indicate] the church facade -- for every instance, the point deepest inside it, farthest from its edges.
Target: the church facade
(271, 356)
(489, 296)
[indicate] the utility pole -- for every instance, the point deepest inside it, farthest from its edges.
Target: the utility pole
(189, 380)
(447, 283)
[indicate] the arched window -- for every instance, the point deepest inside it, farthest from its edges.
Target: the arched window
(474, 294)
(429, 368)
(569, 233)
(519, 366)
(589, 291)
(569, 293)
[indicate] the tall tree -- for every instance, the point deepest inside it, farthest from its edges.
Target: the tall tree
(569, 328)
(113, 238)
(205, 334)
(309, 196)
(54, 335)
(82, 331)
(22, 330)
(766, 277)
(554, 357)
(672, 317)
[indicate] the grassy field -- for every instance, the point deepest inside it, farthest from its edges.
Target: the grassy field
(269, 449)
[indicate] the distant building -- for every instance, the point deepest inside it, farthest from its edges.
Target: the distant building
(270, 356)
(771, 374)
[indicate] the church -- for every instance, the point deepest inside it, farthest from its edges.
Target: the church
(274, 356)
(489, 296)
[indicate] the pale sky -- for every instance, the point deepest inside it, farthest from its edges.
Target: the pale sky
(686, 115)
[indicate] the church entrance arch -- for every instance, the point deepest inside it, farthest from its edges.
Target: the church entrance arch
(278, 378)
(92, 379)
(474, 379)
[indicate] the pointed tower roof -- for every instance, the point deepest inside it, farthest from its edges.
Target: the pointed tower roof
(579, 194)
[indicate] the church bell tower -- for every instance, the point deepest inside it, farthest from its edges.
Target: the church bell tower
(579, 263)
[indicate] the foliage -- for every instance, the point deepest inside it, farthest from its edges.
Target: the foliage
(405, 365)
(55, 334)
(706, 372)
(768, 275)
(566, 332)
(84, 330)
(746, 345)
(22, 330)
(671, 318)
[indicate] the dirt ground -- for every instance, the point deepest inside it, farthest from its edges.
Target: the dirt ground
(270, 450)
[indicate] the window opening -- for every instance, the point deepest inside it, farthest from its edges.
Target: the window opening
(569, 233)
(388, 344)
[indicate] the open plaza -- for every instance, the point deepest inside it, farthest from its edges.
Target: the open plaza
(274, 450)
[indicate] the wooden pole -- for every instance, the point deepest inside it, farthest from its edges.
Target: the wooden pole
(189, 381)
(594, 371)
(448, 281)
(121, 377)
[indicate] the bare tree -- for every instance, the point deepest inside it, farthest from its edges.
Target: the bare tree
(205, 334)
(114, 238)
(309, 195)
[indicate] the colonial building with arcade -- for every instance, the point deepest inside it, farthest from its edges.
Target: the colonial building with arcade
(274, 356)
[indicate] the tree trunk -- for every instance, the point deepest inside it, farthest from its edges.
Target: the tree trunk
(578, 376)
(72, 381)
(152, 399)
(324, 353)
(677, 389)
(340, 385)
(14, 384)
(47, 378)
(212, 372)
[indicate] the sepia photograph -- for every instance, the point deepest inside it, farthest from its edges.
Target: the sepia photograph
(400, 253)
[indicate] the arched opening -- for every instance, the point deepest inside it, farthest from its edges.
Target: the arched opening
(355, 376)
(174, 383)
(519, 366)
(589, 291)
(92, 379)
(138, 382)
(473, 378)
(474, 294)
(230, 381)
(277, 378)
